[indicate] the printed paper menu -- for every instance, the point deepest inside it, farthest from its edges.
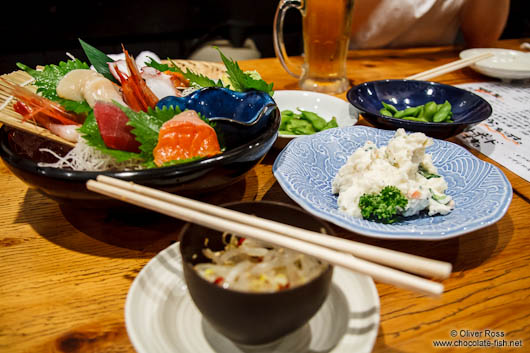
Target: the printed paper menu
(505, 135)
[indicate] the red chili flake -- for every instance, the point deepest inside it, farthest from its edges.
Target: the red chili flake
(240, 241)
(219, 280)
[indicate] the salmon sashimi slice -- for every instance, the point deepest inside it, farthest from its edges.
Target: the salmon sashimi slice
(183, 137)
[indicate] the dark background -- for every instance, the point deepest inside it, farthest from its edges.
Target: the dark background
(42, 33)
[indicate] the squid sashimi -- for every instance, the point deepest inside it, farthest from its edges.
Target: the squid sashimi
(112, 123)
(183, 137)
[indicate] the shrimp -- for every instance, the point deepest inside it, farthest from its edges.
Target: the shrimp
(135, 90)
(90, 86)
(43, 112)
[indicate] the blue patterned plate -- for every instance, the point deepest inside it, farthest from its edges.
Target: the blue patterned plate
(308, 164)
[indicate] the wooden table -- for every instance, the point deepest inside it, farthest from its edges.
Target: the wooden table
(64, 274)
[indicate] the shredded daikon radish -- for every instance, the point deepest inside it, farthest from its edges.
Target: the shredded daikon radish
(253, 266)
(86, 158)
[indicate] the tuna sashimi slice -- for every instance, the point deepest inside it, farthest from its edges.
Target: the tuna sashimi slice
(185, 136)
(112, 123)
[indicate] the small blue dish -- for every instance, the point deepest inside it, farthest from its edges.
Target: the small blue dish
(305, 170)
(468, 108)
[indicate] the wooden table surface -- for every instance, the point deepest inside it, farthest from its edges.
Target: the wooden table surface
(64, 273)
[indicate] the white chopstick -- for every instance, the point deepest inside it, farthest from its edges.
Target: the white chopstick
(452, 66)
(410, 263)
(112, 187)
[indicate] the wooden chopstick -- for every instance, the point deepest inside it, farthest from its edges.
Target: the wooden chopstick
(452, 66)
(110, 187)
(410, 263)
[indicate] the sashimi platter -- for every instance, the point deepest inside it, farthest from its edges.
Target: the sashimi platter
(123, 114)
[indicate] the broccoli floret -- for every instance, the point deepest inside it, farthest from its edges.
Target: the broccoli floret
(383, 207)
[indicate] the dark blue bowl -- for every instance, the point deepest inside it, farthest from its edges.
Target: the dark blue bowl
(252, 318)
(245, 146)
(468, 108)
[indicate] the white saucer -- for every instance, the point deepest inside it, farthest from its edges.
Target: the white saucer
(161, 317)
(504, 64)
(324, 105)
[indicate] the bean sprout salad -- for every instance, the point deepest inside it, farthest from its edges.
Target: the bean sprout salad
(253, 266)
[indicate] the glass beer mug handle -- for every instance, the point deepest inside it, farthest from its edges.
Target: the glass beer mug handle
(279, 45)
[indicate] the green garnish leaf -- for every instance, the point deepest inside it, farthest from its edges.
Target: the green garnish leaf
(243, 81)
(384, 207)
(146, 127)
(195, 79)
(90, 133)
(47, 79)
(99, 59)
(425, 173)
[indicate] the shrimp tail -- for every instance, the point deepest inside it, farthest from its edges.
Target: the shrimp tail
(136, 93)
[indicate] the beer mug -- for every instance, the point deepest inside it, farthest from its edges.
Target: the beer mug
(326, 26)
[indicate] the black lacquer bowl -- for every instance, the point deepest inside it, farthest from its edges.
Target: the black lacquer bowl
(468, 108)
(253, 318)
(245, 146)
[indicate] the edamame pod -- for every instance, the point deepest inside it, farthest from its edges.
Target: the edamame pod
(412, 111)
(384, 111)
(315, 120)
(443, 113)
(390, 107)
(430, 110)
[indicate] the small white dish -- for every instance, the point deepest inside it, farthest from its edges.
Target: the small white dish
(160, 315)
(505, 64)
(324, 105)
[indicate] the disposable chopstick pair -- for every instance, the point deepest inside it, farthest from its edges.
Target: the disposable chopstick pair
(310, 243)
(452, 66)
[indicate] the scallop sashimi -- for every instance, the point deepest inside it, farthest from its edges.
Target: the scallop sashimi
(183, 137)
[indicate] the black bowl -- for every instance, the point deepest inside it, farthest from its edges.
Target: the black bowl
(245, 147)
(253, 318)
(468, 108)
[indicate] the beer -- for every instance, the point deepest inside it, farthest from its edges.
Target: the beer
(326, 32)
(326, 29)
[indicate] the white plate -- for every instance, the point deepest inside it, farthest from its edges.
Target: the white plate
(504, 64)
(160, 316)
(322, 104)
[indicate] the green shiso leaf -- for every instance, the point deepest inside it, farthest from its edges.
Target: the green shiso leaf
(90, 133)
(146, 127)
(243, 81)
(195, 79)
